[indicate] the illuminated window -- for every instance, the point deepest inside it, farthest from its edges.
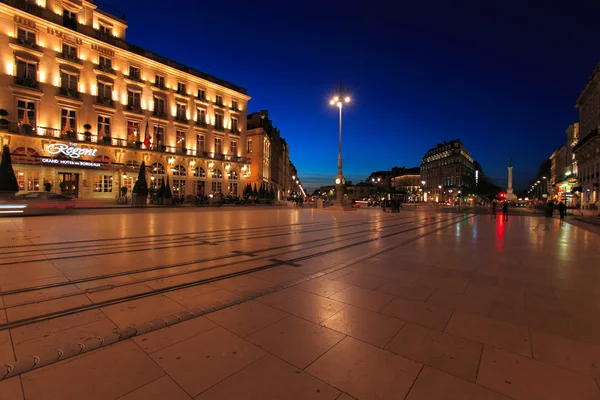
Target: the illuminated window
(234, 125)
(159, 81)
(201, 94)
(179, 170)
(133, 130)
(134, 100)
(105, 29)
(218, 146)
(233, 188)
(198, 172)
(219, 121)
(159, 135)
(233, 148)
(102, 183)
(219, 100)
(105, 63)
(181, 112)
(178, 187)
(201, 115)
(105, 90)
(249, 146)
(181, 88)
(200, 144)
(180, 139)
(27, 70)
(24, 106)
(68, 120)
(217, 174)
(69, 51)
(157, 175)
(26, 37)
(160, 106)
(68, 81)
(234, 104)
(135, 73)
(103, 126)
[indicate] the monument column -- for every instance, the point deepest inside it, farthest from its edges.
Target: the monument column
(509, 190)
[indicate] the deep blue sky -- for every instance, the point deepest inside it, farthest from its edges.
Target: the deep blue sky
(503, 79)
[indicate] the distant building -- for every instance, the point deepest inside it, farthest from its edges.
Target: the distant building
(446, 169)
(269, 156)
(362, 190)
(408, 183)
(587, 149)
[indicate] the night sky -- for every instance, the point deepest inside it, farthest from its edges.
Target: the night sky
(504, 79)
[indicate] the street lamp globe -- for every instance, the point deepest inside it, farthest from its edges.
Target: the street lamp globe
(338, 100)
(347, 99)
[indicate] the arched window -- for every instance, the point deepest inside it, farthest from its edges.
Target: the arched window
(199, 172)
(199, 180)
(157, 175)
(233, 183)
(179, 183)
(179, 170)
(102, 159)
(217, 184)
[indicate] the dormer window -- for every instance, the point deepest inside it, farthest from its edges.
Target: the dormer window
(105, 29)
(69, 19)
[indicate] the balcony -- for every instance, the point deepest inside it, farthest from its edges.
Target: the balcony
(182, 93)
(134, 108)
(234, 132)
(27, 82)
(234, 108)
(69, 57)
(202, 99)
(201, 123)
(67, 92)
(220, 105)
(105, 68)
(181, 118)
(134, 78)
(105, 101)
(160, 86)
(219, 128)
(28, 44)
(159, 114)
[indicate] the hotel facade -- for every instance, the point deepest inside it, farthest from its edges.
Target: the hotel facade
(85, 108)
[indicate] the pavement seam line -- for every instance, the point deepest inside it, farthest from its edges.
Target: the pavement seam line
(33, 362)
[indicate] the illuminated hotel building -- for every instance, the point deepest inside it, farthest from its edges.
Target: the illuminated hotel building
(79, 99)
(447, 168)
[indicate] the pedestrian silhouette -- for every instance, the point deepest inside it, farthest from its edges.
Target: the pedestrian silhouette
(505, 210)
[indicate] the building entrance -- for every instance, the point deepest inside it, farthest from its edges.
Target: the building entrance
(69, 184)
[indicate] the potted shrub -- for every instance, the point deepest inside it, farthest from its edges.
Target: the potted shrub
(138, 144)
(123, 191)
(106, 139)
(163, 148)
(71, 135)
(3, 121)
(47, 186)
(87, 133)
(140, 189)
(168, 195)
(160, 194)
(8, 181)
(27, 129)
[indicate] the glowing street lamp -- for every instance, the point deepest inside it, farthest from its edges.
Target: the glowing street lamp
(338, 100)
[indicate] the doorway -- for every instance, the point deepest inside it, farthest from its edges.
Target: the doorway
(68, 184)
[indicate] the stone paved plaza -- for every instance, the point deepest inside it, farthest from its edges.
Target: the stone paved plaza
(362, 305)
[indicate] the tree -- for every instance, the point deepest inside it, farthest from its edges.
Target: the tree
(141, 187)
(8, 180)
(254, 191)
(261, 191)
(248, 191)
(167, 192)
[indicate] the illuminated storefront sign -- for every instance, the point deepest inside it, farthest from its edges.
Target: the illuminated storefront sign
(74, 163)
(70, 150)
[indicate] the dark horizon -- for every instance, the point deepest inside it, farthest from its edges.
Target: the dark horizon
(504, 80)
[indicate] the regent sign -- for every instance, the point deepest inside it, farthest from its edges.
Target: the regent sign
(70, 150)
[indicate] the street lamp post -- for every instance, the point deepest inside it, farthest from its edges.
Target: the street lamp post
(338, 100)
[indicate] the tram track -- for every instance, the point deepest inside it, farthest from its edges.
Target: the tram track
(189, 262)
(187, 242)
(271, 264)
(137, 281)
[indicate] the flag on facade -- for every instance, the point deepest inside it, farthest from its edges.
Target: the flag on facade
(101, 131)
(147, 137)
(25, 119)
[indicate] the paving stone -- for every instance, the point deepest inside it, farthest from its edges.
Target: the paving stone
(123, 365)
(270, 379)
(525, 379)
(490, 331)
(365, 371)
(449, 353)
(204, 360)
(433, 384)
(10, 389)
(368, 326)
(164, 337)
(246, 318)
(369, 299)
(311, 307)
(161, 389)
(296, 340)
(421, 313)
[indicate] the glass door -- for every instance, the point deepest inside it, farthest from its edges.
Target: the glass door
(68, 184)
